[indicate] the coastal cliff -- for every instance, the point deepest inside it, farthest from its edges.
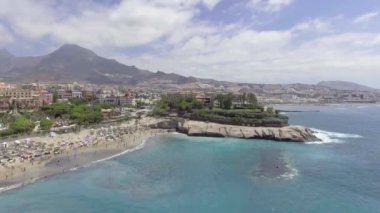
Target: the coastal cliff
(198, 128)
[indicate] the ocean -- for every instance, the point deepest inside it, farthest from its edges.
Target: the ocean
(176, 173)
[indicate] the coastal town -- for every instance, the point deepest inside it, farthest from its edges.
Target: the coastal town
(35, 95)
(69, 125)
(189, 106)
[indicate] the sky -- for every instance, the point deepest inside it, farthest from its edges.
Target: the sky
(251, 41)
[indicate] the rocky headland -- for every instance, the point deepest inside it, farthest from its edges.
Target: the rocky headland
(198, 128)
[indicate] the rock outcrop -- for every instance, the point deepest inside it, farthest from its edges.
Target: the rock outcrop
(198, 128)
(288, 133)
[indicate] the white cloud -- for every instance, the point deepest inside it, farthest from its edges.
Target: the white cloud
(211, 3)
(312, 50)
(272, 56)
(315, 25)
(270, 5)
(366, 18)
(5, 36)
(130, 23)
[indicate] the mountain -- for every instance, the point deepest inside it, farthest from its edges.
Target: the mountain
(345, 85)
(74, 63)
(5, 54)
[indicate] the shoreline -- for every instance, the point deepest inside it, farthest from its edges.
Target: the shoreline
(22, 172)
(107, 143)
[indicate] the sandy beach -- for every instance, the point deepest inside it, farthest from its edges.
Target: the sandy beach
(45, 156)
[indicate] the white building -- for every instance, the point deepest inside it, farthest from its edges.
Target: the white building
(77, 94)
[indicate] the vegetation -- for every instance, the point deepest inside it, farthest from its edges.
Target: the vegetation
(77, 101)
(225, 101)
(46, 124)
(176, 103)
(244, 101)
(55, 96)
(77, 111)
(57, 109)
(21, 125)
(140, 104)
(238, 117)
(270, 110)
(242, 109)
(83, 114)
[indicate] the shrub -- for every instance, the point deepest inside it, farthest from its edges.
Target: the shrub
(86, 114)
(57, 109)
(21, 125)
(46, 124)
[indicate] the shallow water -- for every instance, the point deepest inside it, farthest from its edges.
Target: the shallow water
(177, 173)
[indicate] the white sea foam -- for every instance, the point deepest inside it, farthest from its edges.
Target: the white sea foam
(291, 174)
(331, 137)
(138, 147)
(74, 169)
(18, 185)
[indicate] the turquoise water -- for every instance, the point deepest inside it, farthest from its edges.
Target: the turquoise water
(176, 173)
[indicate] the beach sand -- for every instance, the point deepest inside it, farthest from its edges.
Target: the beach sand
(25, 172)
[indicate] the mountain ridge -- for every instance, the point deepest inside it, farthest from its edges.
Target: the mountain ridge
(345, 85)
(71, 62)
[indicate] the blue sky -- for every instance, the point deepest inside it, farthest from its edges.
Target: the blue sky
(258, 41)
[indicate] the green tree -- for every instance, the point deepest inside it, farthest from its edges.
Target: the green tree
(21, 125)
(46, 124)
(177, 102)
(77, 101)
(83, 114)
(252, 99)
(55, 96)
(227, 101)
(57, 109)
(270, 110)
(219, 98)
(242, 97)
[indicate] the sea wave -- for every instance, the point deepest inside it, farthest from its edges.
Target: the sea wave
(290, 174)
(331, 137)
(18, 185)
(138, 147)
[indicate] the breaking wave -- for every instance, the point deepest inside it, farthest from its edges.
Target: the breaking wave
(138, 147)
(331, 137)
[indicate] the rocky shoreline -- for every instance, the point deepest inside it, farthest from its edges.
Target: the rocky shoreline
(197, 128)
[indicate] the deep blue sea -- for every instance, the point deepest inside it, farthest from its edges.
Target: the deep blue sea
(176, 173)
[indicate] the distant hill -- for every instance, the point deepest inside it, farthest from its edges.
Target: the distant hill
(345, 85)
(74, 63)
